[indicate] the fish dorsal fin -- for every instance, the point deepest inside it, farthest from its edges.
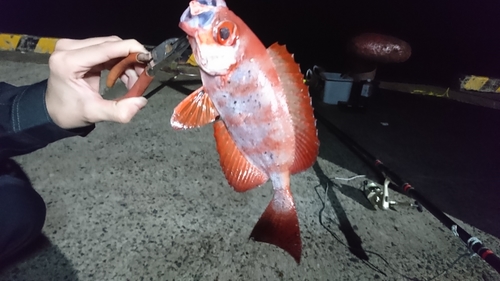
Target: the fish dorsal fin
(240, 174)
(194, 111)
(300, 107)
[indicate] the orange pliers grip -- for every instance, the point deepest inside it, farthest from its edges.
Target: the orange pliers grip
(117, 70)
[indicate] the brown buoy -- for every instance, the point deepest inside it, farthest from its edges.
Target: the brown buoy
(379, 48)
(367, 50)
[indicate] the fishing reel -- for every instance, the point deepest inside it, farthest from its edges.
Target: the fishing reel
(379, 196)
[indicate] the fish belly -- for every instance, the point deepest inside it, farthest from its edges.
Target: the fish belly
(257, 118)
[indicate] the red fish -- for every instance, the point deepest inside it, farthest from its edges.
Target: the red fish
(260, 109)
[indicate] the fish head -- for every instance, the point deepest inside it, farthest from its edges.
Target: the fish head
(214, 35)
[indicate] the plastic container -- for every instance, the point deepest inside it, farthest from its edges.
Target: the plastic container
(336, 88)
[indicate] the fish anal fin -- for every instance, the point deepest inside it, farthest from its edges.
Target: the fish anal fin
(279, 225)
(196, 110)
(300, 108)
(239, 172)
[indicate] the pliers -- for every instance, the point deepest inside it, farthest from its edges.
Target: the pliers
(161, 57)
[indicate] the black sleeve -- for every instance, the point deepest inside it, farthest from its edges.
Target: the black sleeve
(25, 124)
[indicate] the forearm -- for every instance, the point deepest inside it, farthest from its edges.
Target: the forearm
(25, 124)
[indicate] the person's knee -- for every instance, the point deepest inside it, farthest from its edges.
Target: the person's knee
(22, 214)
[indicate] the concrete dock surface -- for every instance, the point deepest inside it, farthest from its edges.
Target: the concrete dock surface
(141, 201)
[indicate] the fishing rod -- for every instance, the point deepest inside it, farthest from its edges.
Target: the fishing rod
(473, 243)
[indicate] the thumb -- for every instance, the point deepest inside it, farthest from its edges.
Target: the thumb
(120, 111)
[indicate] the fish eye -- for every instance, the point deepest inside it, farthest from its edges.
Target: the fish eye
(225, 33)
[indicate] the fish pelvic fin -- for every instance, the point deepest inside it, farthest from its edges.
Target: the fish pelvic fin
(279, 224)
(195, 111)
(239, 172)
(300, 108)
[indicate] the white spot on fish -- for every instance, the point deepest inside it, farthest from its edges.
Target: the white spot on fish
(217, 59)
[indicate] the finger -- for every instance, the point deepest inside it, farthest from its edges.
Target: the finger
(85, 58)
(129, 77)
(139, 69)
(116, 111)
(93, 81)
(125, 80)
(66, 44)
(111, 63)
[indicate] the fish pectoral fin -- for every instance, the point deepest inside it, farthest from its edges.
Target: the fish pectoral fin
(279, 225)
(300, 108)
(239, 172)
(195, 111)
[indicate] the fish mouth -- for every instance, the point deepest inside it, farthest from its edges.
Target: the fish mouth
(199, 14)
(213, 3)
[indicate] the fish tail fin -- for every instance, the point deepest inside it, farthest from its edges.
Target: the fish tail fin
(279, 224)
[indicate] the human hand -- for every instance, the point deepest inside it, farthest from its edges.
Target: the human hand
(72, 98)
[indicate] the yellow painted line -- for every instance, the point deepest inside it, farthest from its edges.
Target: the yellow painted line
(9, 42)
(475, 82)
(43, 45)
(27, 43)
(46, 45)
(480, 84)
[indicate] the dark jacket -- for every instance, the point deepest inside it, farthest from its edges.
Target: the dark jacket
(25, 124)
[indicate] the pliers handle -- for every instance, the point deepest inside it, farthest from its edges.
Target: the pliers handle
(118, 69)
(162, 56)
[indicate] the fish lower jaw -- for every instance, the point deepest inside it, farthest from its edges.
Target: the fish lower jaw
(213, 72)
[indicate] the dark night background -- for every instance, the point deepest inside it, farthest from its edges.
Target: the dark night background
(448, 38)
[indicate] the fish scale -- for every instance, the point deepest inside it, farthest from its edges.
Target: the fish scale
(262, 132)
(260, 110)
